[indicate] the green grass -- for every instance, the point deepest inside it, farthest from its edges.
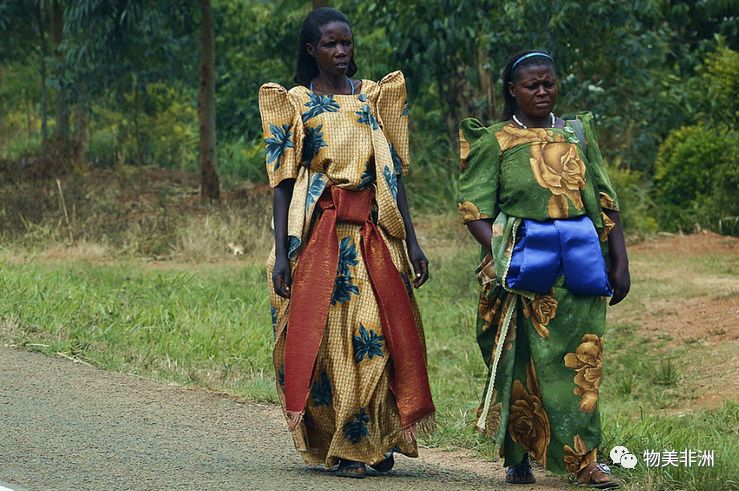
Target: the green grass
(700, 431)
(208, 325)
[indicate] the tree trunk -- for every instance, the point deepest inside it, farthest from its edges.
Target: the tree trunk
(137, 123)
(209, 186)
(2, 112)
(81, 125)
(61, 112)
(44, 50)
(487, 85)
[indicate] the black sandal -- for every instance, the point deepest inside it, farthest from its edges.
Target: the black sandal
(351, 468)
(520, 473)
(384, 465)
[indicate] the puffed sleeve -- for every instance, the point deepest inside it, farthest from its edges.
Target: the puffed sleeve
(596, 165)
(480, 167)
(392, 110)
(282, 128)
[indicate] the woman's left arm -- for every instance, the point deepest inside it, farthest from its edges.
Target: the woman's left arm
(418, 258)
(619, 272)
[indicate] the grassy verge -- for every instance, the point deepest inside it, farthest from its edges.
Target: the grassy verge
(208, 325)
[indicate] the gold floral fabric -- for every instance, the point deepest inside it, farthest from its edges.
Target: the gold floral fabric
(579, 457)
(540, 311)
(545, 374)
(548, 375)
(536, 173)
(528, 423)
(587, 361)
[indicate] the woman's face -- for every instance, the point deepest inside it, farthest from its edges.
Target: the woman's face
(535, 90)
(334, 49)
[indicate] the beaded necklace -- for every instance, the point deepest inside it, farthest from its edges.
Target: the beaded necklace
(519, 123)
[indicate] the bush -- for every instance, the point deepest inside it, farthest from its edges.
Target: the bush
(21, 146)
(697, 178)
(635, 200)
(241, 160)
(102, 149)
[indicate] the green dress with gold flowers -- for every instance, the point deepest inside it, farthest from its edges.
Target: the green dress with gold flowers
(544, 351)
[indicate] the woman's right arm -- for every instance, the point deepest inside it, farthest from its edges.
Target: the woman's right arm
(281, 277)
(482, 231)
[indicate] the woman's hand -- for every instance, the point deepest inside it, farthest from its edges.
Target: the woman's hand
(620, 282)
(619, 273)
(418, 259)
(420, 264)
(281, 277)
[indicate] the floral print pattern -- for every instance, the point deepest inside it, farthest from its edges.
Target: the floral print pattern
(319, 104)
(344, 286)
(392, 181)
(470, 212)
(368, 344)
(607, 202)
(313, 142)
(367, 177)
(578, 458)
(315, 189)
(492, 420)
(277, 143)
(510, 135)
(540, 311)
(347, 141)
(464, 151)
(528, 423)
(533, 174)
(366, 117)
(489, 310)
(558, 168)
(608, 225)
(321, 391)
(587, 361)
(356, 429)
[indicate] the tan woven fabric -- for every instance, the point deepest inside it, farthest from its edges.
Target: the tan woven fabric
(351, 142)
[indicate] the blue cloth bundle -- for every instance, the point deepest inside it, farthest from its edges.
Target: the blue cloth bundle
(549, 249)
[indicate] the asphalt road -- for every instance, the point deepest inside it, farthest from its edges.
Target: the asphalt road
(65, 426)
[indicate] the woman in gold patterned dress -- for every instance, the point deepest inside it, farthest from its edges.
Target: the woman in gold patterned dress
(535, 194)
(349, 348)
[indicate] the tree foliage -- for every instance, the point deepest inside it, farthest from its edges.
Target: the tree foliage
(646, 68)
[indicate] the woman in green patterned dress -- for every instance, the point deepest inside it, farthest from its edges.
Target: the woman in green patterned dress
(349, 349)
(534, 192)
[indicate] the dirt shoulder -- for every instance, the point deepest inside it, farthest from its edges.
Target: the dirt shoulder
(698, 314)
(68, 426)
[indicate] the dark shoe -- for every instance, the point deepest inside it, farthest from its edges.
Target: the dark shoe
(351, 468)
(384, 465)
(520, 473)
(597, 476)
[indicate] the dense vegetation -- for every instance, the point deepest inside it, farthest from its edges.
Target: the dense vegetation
(104, 83)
